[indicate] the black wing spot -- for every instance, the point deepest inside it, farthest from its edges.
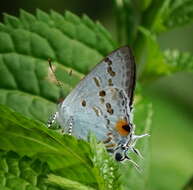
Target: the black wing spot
(108, 105)
(127, 128)
(110, 71)
(102, 93)
(83, 103)
(96, 81)
(110, 82)
(108, 61)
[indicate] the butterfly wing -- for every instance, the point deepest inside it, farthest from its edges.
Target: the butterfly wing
(117, 69)
(102, 97)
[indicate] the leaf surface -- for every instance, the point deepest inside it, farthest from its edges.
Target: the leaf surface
(66, 156)
(73, 44)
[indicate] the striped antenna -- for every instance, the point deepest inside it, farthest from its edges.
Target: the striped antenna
(59, 83)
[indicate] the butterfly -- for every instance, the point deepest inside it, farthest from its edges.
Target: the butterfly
(102, 104)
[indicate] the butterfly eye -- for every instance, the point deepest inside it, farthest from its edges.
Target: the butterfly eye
(118, 157)
(123, 128)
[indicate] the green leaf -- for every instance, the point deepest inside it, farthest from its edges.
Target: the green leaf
(179, 61)
(109, 170)
(66, 156)
(26, 81)
(154, 63)
(132, 178)
(168, 14)
(180, 13)
(154, 16)
(158, 63)
(141, 13)
(66, 183)
(128, 15)
(22, 172)
(171, 61)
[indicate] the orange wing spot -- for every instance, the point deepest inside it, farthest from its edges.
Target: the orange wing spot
(120, 127)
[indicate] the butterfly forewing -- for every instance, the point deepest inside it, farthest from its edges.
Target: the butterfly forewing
(117, 69)
(102, 97)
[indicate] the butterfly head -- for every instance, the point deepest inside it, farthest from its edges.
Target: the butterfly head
(121, 153)
(122, 148)
(126, 145)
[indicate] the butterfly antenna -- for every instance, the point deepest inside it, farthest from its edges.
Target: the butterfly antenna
(52, 120)
(59, 84)
(50, 64)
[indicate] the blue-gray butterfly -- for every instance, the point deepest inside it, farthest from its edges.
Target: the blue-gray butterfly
(102, 104)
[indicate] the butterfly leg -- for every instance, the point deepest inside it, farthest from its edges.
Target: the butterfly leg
(133, 162)
(70, 128)
(70, 125)
(52, 120)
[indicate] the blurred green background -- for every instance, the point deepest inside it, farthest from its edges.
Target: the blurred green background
(172, 96)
